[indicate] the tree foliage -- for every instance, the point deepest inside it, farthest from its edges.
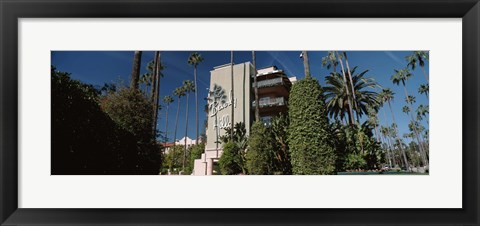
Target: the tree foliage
(311, 147)
(86, 140)
(194, 152)
(173, 159)
(279, 131)
(236, 156)
(260, 153)
(231, 161)
(131, 110)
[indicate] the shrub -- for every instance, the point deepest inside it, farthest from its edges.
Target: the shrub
(194, 152)
(259, 156)
(231, 161)
(173, 160)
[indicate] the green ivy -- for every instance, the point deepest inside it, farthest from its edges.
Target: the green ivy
(311, 145)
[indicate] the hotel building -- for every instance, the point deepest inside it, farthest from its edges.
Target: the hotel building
(273, 90)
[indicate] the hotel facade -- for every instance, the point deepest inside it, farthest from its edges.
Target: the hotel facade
(273, 91)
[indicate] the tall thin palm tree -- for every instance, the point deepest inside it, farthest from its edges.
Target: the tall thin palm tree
(306, 63)
(423, 89)
(401, 76)
(232, 121)
(387, 96)
(189, 87)
(373, 120)
(418, 57)
(135, 76)
(345, 83)
(406, 110)
(330, 61)
(422, 111)
(167, 100)
(194, 59)
(146, 79)
(415, 129)
(257, 110)
(354, 98)
(156, 90)
(390, 155)
(178, 92)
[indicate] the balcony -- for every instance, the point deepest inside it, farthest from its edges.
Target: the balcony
(269, 82)
(270, 102)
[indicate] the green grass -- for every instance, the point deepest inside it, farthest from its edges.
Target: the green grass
(378, 173)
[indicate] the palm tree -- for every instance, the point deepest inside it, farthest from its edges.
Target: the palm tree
(384, 131)
(423, 89)
(188, 87)
(338, 103)
(410, 99)
(345, 84)
(156, 90)
(418, 57)
(355, 104)
(306, 64)
(135, 76)
(330, 60)
(178, 92)
(232, 122)
(337, 97)
(401, 76)
(400, 144)
(195, 59)
(373, 120)
(386, 95)
(257, 111)
(157, 74)
(167, 100)
(146, 79)
(422, 111)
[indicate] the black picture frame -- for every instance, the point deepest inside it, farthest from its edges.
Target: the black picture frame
(12, 10)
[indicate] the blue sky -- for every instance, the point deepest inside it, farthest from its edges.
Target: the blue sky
(100, 67)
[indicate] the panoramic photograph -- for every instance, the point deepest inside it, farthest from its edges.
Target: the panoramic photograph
(228, 112)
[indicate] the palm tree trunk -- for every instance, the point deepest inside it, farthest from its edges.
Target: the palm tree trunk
(348, 92)
(135, 76)
(398, 139)
(232, 95)
(353, 90)
(257, 110)
(176, 124)
(420, 146)
(166, 126)
(196, 101)
(389, 156)
(391, 148)
(157, 91)
(306, 64)
(425, 73)
(186, 132)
